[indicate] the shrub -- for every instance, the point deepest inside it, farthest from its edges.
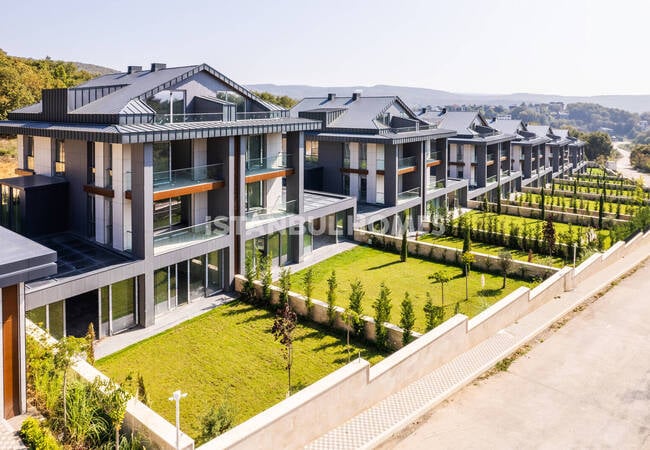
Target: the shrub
(37, 437)
(332, 284)
(407, 319)
(356, 297)
(308, 281)
(216, 421)
(382, 307)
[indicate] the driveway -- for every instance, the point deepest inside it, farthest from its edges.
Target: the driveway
(623, 165)
(586, 386)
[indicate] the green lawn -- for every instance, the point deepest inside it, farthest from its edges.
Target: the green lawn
(581, 203)
(560, 228)
(491, 249)
(230, 353)
(373, 266)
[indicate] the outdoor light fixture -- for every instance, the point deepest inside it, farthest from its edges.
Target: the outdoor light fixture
(176, 397)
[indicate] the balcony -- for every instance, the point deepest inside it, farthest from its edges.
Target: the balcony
(408, 195)
(257, 215)
(267, 164)
(434, 156)
(181, 178)
(161, 119)
(169, 240)
(380, 164)
(434, 184)
(404, 163)
(492, 179)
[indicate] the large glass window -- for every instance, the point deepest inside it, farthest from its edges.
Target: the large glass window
(255, 152)
(28, 143)
(123, 304)
(168, 213)
(363, 155)
(161, 289)
(346, 155)
(90, 162)
(197, 277)
(38, 316)
(346, 184)
(57, 318)
(459, 152)
(254, 195)
(182, 282)
(363, 188)
(311, 151)
(161, 163)
(215, 272)
(105, 315)
(285, 246)
(233, 97)
(168, 104)
(59, 158)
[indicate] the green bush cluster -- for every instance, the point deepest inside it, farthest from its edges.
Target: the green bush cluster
(37, 437)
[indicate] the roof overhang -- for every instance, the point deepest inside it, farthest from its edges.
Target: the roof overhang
(389, 138)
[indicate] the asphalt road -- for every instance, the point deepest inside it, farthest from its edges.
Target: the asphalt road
(586, 386)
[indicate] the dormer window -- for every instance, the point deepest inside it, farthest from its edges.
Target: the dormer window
(233, 97)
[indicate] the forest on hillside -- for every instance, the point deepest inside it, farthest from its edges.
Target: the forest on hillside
(22, 79)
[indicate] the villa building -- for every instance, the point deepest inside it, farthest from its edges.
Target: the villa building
(378, 151)
(153, 186)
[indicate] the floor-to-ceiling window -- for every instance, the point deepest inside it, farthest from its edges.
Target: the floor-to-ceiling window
(254, 195)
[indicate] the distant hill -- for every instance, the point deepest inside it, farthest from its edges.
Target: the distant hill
(92, 68)
(422, 97)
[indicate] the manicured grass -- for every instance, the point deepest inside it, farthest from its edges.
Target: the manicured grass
(228, 353)
(491, 249)
(581, 203)
(372, 266)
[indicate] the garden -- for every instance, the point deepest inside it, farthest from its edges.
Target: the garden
(332, 280)
(230, 364)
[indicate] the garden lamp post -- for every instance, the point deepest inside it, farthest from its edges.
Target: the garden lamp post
(575, 246)
(176, 397)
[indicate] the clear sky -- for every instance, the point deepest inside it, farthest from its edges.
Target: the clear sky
(568, 47)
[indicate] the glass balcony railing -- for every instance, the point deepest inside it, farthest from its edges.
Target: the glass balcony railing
(406, 162)
(435, 184)
(433, 156)
(173, 179)
(492, 179)
(127, 181)
(380, 164)
(168, 240)
(269, 163)
(279, 210)
(311, 160)
(505, 173)
(408, 195)
(363, 164)
(184, 118)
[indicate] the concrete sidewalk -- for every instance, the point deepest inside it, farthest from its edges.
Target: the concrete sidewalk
(379, 423)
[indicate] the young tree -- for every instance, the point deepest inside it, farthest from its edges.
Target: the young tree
(468, 259)
(407, 319)
(549, 235)
(356, 297)
(442, 278)
(350, 318)
(382, 307)
(542, 205)
(432, 313)
(65, 351)
(248, 288)
(283, 327)
(332, 284)
(404, 250)
(267, 280)
(499, 199)
(467, 240)
(505, 263)
(90, 344)
(115, 399)
(285, 286)
(601, 210)
(308, 282)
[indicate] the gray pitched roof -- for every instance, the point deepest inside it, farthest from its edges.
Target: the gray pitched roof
(510, 126)
(461, 121)
(360, 113)
(539, 130)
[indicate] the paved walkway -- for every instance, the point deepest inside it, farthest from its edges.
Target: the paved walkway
(165, 321)
(9, 439)
(375, 425)
(586, 386)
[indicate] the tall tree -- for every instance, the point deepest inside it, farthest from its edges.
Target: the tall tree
(542, 204)
(505, 263)
(332, 285)
(549, 235)
(355, 304)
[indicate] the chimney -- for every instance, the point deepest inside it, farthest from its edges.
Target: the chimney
(443, 111)
(155, 67)
(423, 110)
(331, 96)
(133, 69)
(356, 95)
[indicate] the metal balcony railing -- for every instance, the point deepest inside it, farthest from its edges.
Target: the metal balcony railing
(184, 118)
(275, 162)
(172, 179)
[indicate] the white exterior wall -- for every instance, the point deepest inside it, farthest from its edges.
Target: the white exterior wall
(20, 151)
(273, 144)
(199, 152)
(43, 156)
(273, 193)
(354, 163)
(372, 173)
(200, 199)
(118, 198)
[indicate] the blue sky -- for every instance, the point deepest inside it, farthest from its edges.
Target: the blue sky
(548, 46)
